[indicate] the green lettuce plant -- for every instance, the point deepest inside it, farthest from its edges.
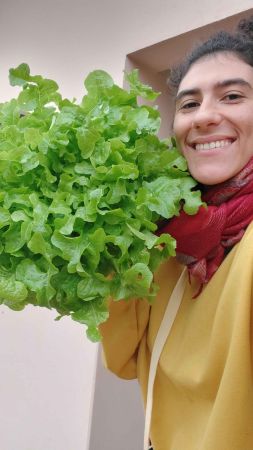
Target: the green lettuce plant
(82, 188)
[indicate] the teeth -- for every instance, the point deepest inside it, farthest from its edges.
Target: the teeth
(214, 144)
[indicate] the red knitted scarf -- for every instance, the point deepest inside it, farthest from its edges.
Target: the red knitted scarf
(203, 239)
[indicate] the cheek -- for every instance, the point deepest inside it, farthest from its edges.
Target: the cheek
(181, 129)
(180, 139)
(248, 130)
(245, 124)
(181, 149)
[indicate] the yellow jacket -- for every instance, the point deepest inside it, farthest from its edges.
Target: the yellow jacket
(203, 392)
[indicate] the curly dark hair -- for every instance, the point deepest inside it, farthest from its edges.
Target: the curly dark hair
(240, 43)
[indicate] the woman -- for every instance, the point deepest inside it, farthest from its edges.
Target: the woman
(203, 390)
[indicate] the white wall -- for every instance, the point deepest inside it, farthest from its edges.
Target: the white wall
(47, 369)
(65, 39)
(46, 382)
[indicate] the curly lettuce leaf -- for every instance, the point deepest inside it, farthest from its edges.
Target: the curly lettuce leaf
(81, 191)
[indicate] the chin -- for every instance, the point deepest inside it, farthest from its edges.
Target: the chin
(210, 178)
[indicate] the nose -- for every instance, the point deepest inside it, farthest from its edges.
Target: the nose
(206, 115)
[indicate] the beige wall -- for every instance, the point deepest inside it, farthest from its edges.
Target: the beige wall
(48, 369)
(66, 39)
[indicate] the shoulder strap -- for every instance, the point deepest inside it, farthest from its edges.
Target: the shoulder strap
(162, 335)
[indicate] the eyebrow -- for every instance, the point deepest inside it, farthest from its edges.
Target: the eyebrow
(219, 84)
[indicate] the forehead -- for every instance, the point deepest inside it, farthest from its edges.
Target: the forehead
(211, 69)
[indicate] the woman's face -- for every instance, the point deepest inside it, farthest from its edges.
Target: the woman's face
(214, 117)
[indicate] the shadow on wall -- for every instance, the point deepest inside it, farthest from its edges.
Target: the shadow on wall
(117, 416)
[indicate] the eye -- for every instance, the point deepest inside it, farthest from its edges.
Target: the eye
(189, 105)
(232, 97)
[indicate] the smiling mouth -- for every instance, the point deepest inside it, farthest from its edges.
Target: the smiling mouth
(213, 144)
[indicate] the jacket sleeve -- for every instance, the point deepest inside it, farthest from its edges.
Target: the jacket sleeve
(121, 335)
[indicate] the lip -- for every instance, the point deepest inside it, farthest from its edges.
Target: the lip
(210, 138)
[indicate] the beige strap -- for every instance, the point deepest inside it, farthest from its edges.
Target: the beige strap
(162, 335)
